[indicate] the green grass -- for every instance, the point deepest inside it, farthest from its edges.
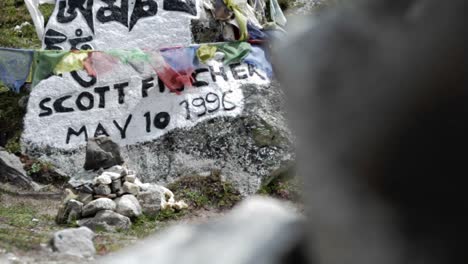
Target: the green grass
(285, 186)
(13, 13)
(18, 231)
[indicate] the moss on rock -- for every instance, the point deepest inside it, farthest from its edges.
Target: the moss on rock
(205, 191)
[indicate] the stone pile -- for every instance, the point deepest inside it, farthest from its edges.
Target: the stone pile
(113, 199)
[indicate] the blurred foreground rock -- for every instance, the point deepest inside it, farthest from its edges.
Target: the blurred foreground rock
(258, 231)
(74, 241)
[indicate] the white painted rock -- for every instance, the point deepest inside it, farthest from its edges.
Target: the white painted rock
(232, 120)
(99, 25)
(128, 206)
(98, 205)
(74, 241)
(107, 220)
(131, 188)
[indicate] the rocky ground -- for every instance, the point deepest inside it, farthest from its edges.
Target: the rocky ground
(27, 221)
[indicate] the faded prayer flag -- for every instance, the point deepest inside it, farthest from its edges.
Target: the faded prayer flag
(14, 67)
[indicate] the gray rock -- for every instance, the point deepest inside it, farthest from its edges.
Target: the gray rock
(130, 178)
(116, 169)
(128, 205)
(107, 220)
(85, 188)
(98, 205)
(110, 196)
(116, 186)
(102, 152)
(12, 171)
(131, 188)
(259, 231)
(150, 202)
(69, 212)
(74, 241)
(102, 189)
(85, 198)
(249, 150)
(103, 179)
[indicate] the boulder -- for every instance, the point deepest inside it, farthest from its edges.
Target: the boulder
(147, 25)
(69, 212)
(233, 120)
(259, 231)
(131, 188)
(74, 241)
(98, 205)
(102, 152)
(150, 202)
(128, 206)
(103, 179)
(102, 189)
(107, 220)
(12, 171)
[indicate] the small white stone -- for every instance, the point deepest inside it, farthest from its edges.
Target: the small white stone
(103, 179)
(115, 169)
(130, 178)
(131, 188)
(112, 175)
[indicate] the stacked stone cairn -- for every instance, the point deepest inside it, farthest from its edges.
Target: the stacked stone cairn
(113, 200)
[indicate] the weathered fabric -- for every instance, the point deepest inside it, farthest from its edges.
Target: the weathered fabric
(234, 52)
(129, 56)
(258, 58)
(15, 66)
(277, 14)
(240, 18)
(73, 61)
(45, 62)
(206, 52)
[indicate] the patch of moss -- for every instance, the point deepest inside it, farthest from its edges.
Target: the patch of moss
(205, 192)
(43, 172)
(286, 186)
